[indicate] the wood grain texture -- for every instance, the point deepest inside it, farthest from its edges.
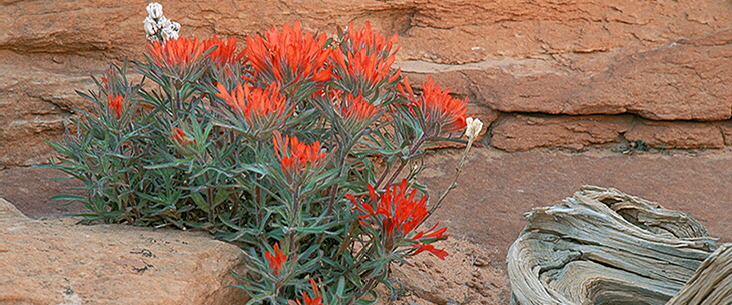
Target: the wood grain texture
(602, 246)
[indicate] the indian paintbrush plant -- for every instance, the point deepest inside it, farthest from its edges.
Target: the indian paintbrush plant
(302, 149)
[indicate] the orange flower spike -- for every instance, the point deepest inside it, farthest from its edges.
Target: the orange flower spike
(451, 110)
(254, 102)
(438, 107)
(316, 300)
(175, 52)
(369, 55)
(294, 155)
(181, 137)
(406, 89)
(276, 259)
(370, 40)
(115, 104)
(431, 234)
(290, 56)
(358, 108)
(399, 209)
(235, 101)
(225, 51)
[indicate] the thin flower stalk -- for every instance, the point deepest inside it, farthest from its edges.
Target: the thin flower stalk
(474, 126)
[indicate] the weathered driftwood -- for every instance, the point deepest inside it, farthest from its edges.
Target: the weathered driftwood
(712, 282)
(602, 246)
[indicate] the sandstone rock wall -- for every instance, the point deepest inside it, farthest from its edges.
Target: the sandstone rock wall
(650, 70)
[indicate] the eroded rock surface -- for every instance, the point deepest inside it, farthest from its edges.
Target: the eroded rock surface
(55, 261)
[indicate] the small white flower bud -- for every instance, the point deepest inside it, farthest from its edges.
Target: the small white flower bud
(150, 26)
(473, 127)
(173, 35)
(155, 10)
(163, 22)
(164, 34)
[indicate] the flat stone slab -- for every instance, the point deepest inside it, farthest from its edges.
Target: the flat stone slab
(56, 261)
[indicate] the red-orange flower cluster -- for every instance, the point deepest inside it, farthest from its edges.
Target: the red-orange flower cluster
(296, 156)
(255, 102)
(366, 56)
(276, 259)
(225, 51)
(354, 107)
(181, 137)
(439, 112)
(373, 42)
(364, 67)
(399, 213)
(316, 300)
(176, 52)
(114, 102)
(289, 56)
(181, 52)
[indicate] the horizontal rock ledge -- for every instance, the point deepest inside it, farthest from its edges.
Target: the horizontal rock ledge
(55, 261)
(521, 132)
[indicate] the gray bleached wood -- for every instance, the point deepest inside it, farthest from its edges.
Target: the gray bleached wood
(602, 246)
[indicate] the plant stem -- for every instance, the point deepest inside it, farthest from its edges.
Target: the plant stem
(453, 183)
(403, 163)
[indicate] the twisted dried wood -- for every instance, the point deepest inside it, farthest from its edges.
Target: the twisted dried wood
(602, 246)
(712, 282)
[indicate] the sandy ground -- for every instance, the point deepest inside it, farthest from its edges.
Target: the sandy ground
(485, 213)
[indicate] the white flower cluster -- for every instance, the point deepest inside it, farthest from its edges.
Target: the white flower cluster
(157, 27)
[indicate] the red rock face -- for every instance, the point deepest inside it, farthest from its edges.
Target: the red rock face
(656, 60)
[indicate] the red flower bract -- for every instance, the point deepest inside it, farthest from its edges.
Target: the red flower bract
(430, 248)
(276, 259)
(175, 52)
(296, 156)
(225, 51)
(441, 113)
(366, 57)
(399, 213)
(371, 69)
(354, 107)
(254, 102)
(288, 56)
(316, 300)
(180, 136)
(373, 42)
(115, 104)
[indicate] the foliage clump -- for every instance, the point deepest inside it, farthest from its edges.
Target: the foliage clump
(302, 149)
